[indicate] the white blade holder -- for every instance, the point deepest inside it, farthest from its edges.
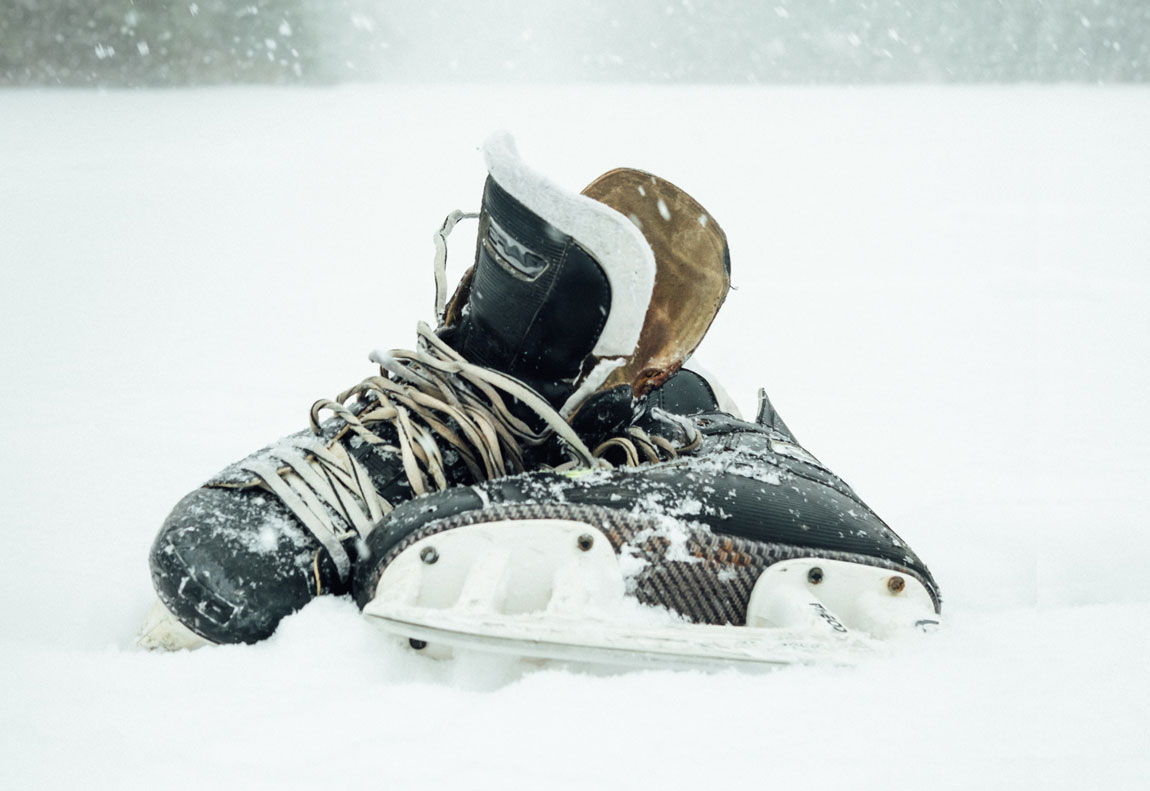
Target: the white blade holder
(552, 589)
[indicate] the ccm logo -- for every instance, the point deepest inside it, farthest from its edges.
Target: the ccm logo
(522, 260)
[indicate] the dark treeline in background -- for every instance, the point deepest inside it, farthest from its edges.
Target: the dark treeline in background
(139, 43)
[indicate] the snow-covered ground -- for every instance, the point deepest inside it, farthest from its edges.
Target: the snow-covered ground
(945, 291)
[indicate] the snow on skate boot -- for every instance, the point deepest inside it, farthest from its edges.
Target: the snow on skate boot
(570, 300)
(753, 551)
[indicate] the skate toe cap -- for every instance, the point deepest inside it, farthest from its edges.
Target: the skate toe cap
(231, 563)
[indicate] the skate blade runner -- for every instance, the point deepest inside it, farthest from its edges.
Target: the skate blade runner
(547, 474)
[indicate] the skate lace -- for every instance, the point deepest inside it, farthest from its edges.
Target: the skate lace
(435, 401)
(637, 446)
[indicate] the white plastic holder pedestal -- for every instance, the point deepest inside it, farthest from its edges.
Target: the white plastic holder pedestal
(553, 589)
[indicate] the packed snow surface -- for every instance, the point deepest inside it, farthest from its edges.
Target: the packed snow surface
(945, 291)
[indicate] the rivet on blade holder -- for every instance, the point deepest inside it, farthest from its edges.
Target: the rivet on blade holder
(586, 541)
(815, 575)
(895, 585)
(428, 555)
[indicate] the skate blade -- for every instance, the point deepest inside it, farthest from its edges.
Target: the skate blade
(675, 646)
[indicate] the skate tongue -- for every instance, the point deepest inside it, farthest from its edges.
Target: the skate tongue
(692, 272)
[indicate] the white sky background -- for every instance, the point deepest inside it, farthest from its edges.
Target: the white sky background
(772, 41)
(130, 43)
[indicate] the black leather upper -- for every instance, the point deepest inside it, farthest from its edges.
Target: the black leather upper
(537, 302)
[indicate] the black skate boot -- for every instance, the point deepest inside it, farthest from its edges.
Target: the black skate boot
(569, 304)
(750, 530)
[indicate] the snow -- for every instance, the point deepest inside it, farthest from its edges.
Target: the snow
(944, 291)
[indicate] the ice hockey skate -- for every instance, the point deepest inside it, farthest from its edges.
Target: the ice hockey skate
(570, 312)
(749, 552)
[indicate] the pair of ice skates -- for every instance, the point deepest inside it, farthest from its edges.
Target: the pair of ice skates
(542, 477)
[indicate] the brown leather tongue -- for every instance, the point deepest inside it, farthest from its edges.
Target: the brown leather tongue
(692, 272)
